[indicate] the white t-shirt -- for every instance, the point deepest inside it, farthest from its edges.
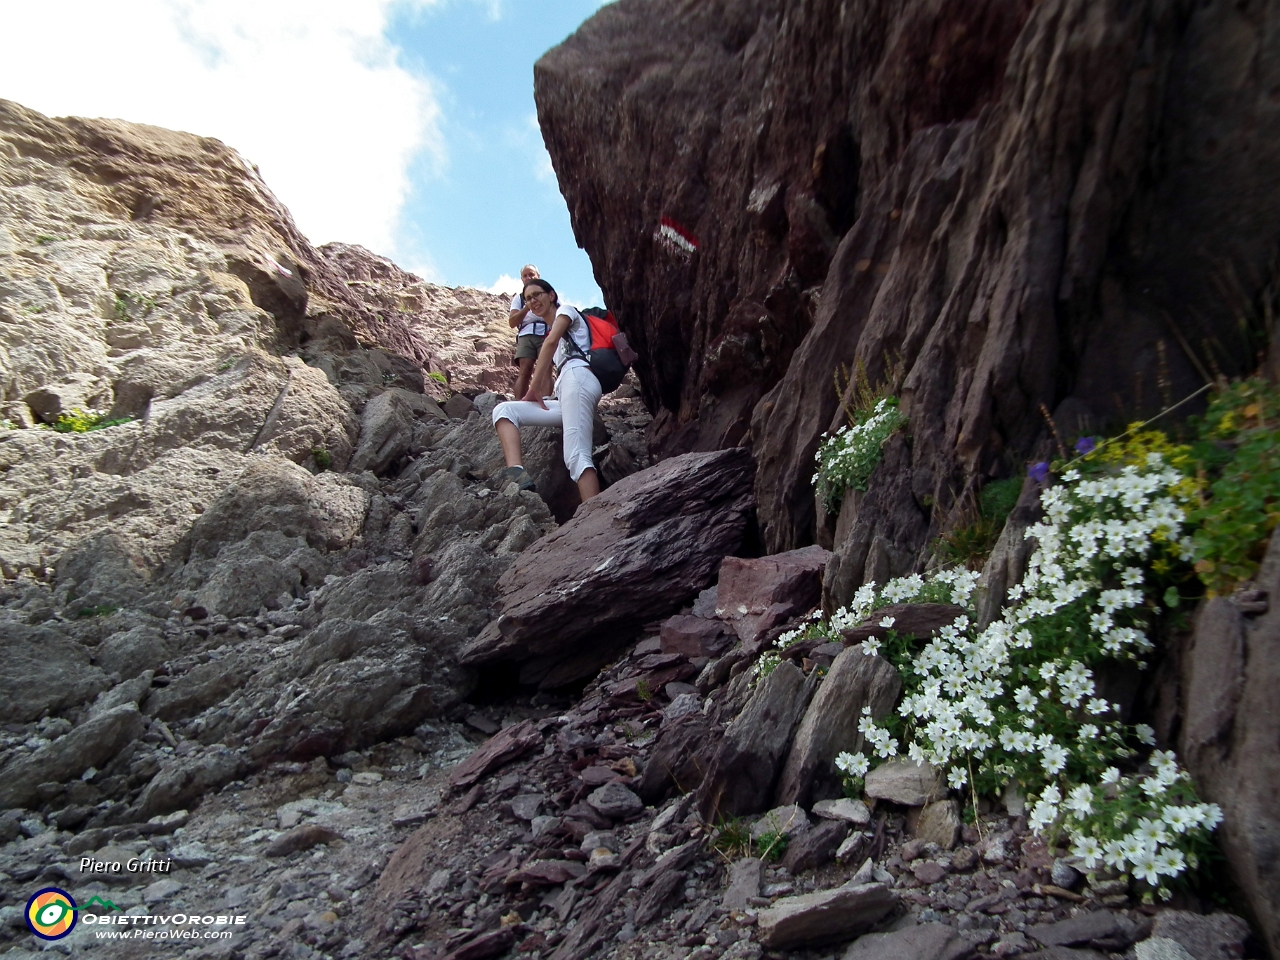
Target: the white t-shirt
(581, 334)
(531, 325)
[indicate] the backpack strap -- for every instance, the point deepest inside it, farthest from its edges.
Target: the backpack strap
(571, 348)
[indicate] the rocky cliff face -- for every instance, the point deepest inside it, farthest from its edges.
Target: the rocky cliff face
(1064, 203)
(276, 550)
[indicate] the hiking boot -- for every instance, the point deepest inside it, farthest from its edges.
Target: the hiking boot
(520, 477)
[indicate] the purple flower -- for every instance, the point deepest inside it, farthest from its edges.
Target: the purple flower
(1086, 445)
(1039, 471)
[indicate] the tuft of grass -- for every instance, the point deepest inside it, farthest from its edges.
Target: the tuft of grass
(438, 377)
(133, 306)
(642, 690)
(972, 543)
(732, 838)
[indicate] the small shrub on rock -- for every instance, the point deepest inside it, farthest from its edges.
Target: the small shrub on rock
(847, 459)
(83, 421)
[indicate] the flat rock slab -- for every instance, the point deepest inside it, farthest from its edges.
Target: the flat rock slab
(487, 945)
(1161, 948)
(637, 551)
(515, 741)
(547, 873)
(850, 811)
(746, 763)
(1097, 928)
(905, 782)
(928, 941)
(824, 917)
(815, 848)
(615, 801)
(939, 823)
(745, 876)
(301, 838)
(694, 636)
(1215, 936)
(526, 806)
(790, 821)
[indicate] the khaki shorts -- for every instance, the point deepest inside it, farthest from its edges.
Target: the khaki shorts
(528, 346)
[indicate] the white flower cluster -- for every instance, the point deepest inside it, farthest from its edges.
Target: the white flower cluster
(1143, 835)
(847, 458)
(1016, 700)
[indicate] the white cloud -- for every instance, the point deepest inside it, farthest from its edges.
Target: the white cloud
(505, 284)
(309, 90)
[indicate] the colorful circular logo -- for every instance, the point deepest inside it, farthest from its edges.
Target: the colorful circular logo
(51, 913)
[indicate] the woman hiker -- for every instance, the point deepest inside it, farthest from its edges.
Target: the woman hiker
(529, 331)
(572, 405)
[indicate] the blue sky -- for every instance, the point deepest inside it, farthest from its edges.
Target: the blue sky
(493, 204)
(407, 126)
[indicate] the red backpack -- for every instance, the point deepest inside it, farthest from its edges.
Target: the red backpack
(610, 354)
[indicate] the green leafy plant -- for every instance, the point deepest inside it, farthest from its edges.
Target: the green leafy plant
(7, 424)
(438, 377)
(83, 421)
(46, 238)
(732, 838)
(771, 846)
(1239, 456)
(322, 458)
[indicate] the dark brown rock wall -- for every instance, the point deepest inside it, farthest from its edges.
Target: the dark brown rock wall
(1029, 203)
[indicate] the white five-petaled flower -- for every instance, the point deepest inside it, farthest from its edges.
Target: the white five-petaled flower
(1089, 850)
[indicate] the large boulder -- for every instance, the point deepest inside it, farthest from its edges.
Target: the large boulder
(635, 552)
(92, 743)
(388, 428)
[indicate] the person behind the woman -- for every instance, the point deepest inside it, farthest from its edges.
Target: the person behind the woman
(530, 331)
(572, 404)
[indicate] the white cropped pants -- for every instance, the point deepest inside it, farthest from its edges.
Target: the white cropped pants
(577, 392)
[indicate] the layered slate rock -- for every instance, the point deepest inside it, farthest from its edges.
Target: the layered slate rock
(824, 917)
(636, 551)
(1230, 731)
(830, 725)
(747, 762)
